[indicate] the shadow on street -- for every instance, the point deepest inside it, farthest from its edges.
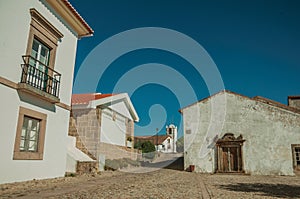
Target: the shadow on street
(271, 190)
(176, 164)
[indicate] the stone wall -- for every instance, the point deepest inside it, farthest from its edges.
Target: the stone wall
(268, 131)
(87, 125)
(86, 168)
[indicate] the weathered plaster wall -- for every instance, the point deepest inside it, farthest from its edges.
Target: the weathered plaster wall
(269, 132)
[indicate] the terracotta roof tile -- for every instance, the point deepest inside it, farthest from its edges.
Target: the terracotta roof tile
(276, 104)
(257, 98)
(86, 98)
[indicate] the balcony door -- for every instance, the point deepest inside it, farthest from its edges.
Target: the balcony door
(39, 63)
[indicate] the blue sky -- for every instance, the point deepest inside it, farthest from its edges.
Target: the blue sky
(254, 44)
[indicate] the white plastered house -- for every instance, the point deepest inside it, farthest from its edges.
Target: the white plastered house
(38, 46)
(163, 143)
(103, 124)
(231, 133)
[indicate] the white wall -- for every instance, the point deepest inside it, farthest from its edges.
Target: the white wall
(15, 22)
(122, 109)
(268, 131)
(112, 132)
(74, 155)
(53, 163)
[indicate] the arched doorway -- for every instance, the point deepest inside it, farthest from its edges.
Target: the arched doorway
(229, 154)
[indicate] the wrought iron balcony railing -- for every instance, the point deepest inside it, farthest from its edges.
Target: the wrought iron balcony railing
(40, 76)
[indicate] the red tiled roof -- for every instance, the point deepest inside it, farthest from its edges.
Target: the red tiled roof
(86, 98)
(257, 98)
(276, 104)
(78, 16)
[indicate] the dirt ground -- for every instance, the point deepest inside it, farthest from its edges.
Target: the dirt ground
(161, 183)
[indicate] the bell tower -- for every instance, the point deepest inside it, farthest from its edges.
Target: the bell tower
(172, 131)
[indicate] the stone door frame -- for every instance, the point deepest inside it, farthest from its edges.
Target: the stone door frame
(229, 154)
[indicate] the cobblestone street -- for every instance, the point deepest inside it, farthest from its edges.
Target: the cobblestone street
(162, 183)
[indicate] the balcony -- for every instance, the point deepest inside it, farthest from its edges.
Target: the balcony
(39, 80)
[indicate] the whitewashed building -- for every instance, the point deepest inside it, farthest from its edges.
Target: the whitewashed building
(256, 135)
(163, 143)
(103, 125)
(38, 46)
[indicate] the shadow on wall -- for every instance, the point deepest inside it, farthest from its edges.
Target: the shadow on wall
(270, 190)
(24, 97)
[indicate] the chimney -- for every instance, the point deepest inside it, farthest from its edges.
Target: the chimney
(294, 101)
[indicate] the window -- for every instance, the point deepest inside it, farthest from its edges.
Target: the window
(42, 41)
(296, 156)
(40, 52)
(38, 68)
(39, 60)
(30, 135)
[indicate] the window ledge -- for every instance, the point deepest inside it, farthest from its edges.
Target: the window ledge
(26, 88)
(18, 155)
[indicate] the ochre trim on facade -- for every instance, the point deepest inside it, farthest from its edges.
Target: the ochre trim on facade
(26, 88)
(14, 85)
(64, 106)
(8, 83)
(44, 22)
(24, 155)
(42, 30)
(45, 32)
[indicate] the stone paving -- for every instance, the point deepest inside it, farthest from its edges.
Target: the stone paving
(157, 183)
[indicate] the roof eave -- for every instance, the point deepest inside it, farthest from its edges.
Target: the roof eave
(121, 96)
(72, 17)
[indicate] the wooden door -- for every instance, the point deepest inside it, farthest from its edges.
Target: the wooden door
(233, 160)
(229, 153)
(230, 159)
(225, 162)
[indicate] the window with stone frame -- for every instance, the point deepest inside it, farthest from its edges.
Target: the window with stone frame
(30, 135)
(296, 156)
(42, 40)
(39, 59)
